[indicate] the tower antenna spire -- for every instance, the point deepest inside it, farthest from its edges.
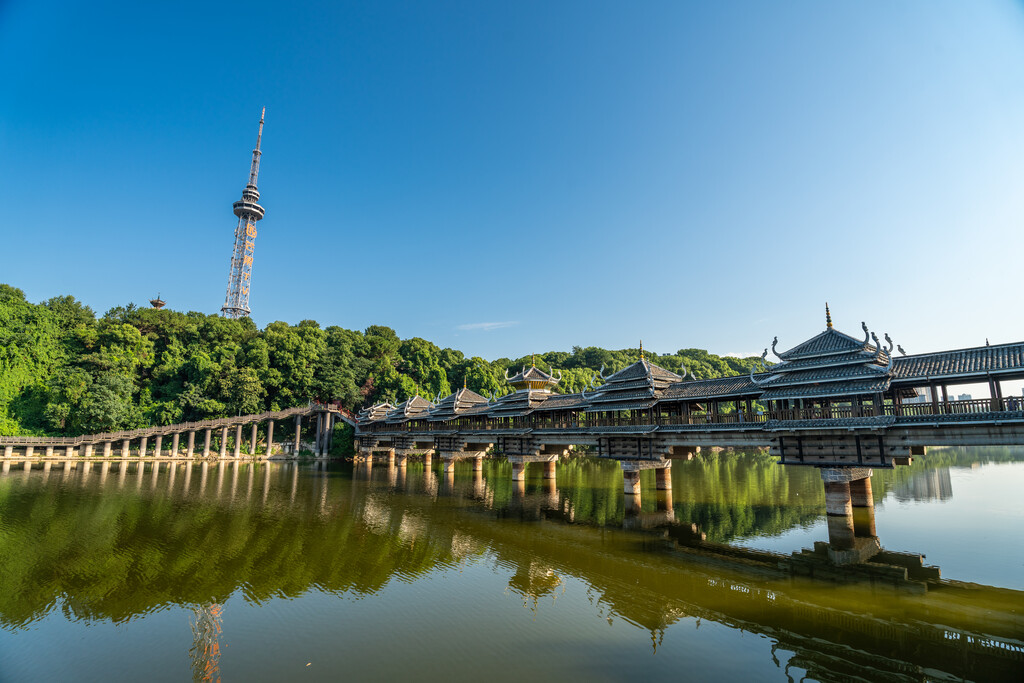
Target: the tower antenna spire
(248, 210)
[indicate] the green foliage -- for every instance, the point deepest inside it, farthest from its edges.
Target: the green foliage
(63, 371)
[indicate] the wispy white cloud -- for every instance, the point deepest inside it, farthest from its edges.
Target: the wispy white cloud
(487, 327)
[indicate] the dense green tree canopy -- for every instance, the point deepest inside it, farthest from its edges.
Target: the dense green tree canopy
(65, 371)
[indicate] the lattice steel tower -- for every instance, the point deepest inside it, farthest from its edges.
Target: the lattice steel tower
(236, 302)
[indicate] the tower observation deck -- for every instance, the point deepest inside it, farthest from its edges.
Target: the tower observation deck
(236, 301)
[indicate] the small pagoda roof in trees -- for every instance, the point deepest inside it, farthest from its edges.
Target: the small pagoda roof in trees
(157, 303)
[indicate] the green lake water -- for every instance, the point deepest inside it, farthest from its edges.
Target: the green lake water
(251, 572)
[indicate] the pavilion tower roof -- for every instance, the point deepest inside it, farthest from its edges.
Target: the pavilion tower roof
(455, 404)
(829, 364)
(636, 386)
(409, 409)
(375, 412)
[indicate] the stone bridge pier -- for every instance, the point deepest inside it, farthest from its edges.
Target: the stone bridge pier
(850, 512)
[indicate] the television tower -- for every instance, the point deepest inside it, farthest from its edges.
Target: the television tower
(236, 301)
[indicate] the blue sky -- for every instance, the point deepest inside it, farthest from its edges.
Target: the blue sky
(505, 178)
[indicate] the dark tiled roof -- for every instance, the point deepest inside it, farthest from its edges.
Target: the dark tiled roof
(826, 374)
(870, 422)
(829, 361)
(409, 409)
(642, 369)
(829, 342)
(374, 412)
(563, 402)
(976, 361)
(853, 388)
(454, 404)
(719, 387)
(518, 403)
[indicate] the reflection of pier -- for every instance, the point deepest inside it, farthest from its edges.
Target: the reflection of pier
(348, 530)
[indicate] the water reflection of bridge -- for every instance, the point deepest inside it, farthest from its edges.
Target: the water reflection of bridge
(828, 626)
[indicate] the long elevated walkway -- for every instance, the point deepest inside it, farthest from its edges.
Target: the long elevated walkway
(150, 440)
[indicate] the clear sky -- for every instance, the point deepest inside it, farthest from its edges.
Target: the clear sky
(511, 177)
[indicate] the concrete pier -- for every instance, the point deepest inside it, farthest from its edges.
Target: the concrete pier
(206, 443)
(143, 445)
(252, 439)
(49, 451)
(88, 450)
(428, 460)
(298, 433)
(108, 446)
(190, 445)
(238, 441)
(8, 451)
(270, 438)
(549, 469)
(126, 448)
(158, 446)
(519, 471)
(845, 544)
(29, 450)
(863, 507)
(478, 464)
(663, 477)
(175, 442)
(631, 482)
(223, 442)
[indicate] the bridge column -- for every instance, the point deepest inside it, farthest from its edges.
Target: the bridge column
(158, 446)
(29, 450)
(223, 442)
(238, 441)
(69, 452)
(391, 457)
(126, 448)
(108, 446)
(8, 451)
(175, 442)
(298, 433)
(206, 443)
(88, 450)
(318, 451)
(252, 439)
(631, 482)
(839, 504)
(663, 477)
(549, 469)
(478, 463)
(7, 466)
(143, 443)
(49, 451)
(863, 507)
(331, 420)
(270, 438)
(519, 471)
(428, 460)
(191, 445)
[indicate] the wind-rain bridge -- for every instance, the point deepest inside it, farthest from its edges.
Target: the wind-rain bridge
(840, 403)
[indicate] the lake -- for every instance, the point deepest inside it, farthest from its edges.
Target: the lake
(240, 571)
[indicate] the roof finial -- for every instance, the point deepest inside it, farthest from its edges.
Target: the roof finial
(641, 349)
(465, 379)
(828, 317)
(533, 359)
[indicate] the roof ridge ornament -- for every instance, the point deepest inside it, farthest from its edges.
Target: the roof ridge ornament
(888, 339)
(764, 358)
(867, 335)
(900, 349)
(828, 317)
(878, 346)
(774, 344)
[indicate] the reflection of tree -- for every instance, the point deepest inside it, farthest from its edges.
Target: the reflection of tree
(205, 652)
(532, 581)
